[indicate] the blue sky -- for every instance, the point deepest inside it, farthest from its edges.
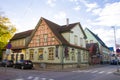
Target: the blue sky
(97, 15)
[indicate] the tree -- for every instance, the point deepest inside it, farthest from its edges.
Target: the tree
(7, 30)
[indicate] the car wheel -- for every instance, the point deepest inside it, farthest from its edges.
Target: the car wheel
(31, 68)
(22, 67)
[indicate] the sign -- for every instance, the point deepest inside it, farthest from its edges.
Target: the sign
(7, 51)
(9, 46)
(118, 50)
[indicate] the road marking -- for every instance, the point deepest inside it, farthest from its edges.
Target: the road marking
(36, 78)
(77, 71)
(94, 71)
(30, 77)
(90, 71)
(19, 79)
(43, 78)
(108, 72)
(51, 79)
(87, 71)
(101, 72)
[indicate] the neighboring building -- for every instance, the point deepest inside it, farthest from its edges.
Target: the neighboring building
(18, 42)
(52, 45)
(94, 53)
(102, 53)
(112, 54)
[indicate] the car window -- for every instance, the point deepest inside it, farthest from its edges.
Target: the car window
(19, 61)
(4, 61)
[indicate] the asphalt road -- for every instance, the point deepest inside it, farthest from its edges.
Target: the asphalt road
(101, 73)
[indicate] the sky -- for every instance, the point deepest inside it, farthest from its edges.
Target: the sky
(100, 16)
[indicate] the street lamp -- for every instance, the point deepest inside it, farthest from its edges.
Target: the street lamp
(114, 36)
(115, 46)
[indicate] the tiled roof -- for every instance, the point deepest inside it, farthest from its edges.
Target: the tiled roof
(55, 28)
(65, 28)
(97, 38)
(21, 35)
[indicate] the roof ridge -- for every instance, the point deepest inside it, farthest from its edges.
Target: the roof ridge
(97, 37)
(49, 21)
(24, 31)
(70, 24)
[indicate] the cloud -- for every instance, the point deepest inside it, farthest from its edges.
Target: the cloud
(77, 8)
(73, 0)
(108, 38)
(96, 11)
(60, 16)
(109, 15)
(51, 2)
(90, 6)
(107, 35)
(117, 37)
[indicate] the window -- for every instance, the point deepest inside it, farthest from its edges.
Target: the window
(45, 37)
(37, 39)
(81, 41)
(75, 39)
(53, 39)
(87, 42)
(17, 57)
(51, 53)
(56, 51)
(91, 41)
(31, 54)
(73, 54)
(12, 56)
(66, 53)
(21, 57)
(40, 54)
(84, 56)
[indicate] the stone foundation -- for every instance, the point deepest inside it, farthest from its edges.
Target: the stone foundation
(58, 66)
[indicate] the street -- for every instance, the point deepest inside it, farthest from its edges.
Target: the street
(97, 73)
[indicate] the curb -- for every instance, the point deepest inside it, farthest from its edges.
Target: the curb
(116, 73)
(70, 69)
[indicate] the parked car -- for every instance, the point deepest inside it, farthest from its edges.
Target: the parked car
(114, 62)
(8, 63)
(23, 64)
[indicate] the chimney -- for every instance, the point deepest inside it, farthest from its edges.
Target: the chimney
(67, 21)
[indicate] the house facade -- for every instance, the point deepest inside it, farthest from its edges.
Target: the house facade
(18, 48)
(100, 53)
(50, 45)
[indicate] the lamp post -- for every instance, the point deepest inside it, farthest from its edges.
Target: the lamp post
(114, 36)
(115, 46)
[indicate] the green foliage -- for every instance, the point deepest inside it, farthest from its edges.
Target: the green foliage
(7, 30)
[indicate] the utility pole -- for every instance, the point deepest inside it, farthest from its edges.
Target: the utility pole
(114, 36)
(115, 46)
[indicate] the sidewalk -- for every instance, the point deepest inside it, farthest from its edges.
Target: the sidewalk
(117, 72)
(70, 68)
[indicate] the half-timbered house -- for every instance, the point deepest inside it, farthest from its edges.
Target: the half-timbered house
(52, 45)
